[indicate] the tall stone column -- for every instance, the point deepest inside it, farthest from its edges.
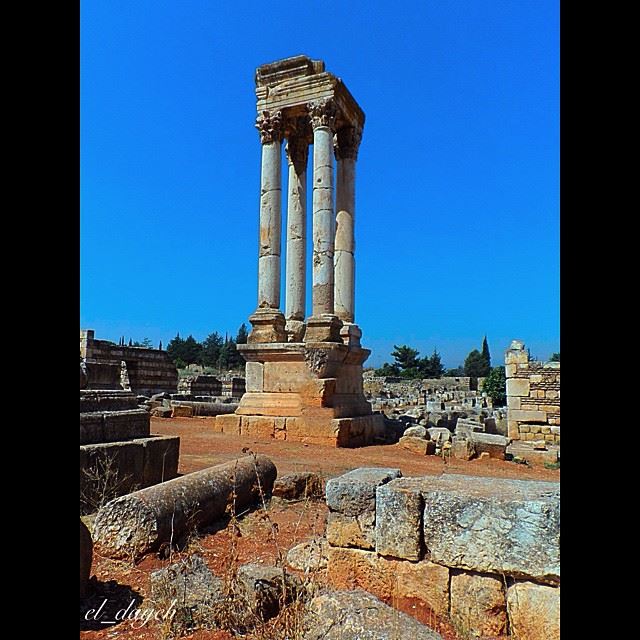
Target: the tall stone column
(268, 321)
(346, 149)
(323, 325)
(297, 154)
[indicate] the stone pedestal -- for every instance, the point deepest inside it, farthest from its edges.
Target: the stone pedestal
(305, 392)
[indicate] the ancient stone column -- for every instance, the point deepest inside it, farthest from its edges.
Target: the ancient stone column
(346, 149)
(323, 325)
(297, 153)
(268, 321)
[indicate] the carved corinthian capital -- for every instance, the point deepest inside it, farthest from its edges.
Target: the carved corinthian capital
(323, 113)
(347, 142)
(297, 150)
(269, 125)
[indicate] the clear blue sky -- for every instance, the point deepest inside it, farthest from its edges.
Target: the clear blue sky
(457, 208)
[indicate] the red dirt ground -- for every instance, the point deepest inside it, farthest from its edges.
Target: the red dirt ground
(264, 536)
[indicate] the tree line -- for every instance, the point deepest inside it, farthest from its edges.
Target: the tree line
(214, 351)
(408, 364)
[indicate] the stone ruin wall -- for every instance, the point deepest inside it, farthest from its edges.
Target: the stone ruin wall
(149, 370)
(533, 396)
(416, 538)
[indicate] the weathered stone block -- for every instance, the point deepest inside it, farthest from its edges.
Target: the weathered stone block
(518, 387)
(362, 616)
(229, 423)
(91, 428)
(161, 454)
(478, 605)
(514, 402)
(123, 425)
(527, 416)
(254, 380)
(418, 445)
(398, 521)
(389, 578)
(509, 527)
(493, 444)
(534, 611)
(355, 492)
(261, 427)
(297, 486)
(352, 531)
(525, 428)
(181, 411)
(462, 448)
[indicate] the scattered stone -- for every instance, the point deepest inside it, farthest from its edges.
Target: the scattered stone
(309, 556)
(263, 589)
(181, 411)
(492, 444)
(86, 557)
(298, 486)
(161, 412)
(462, 448)
(189, 588)
(416, 432)
(358, 615)
(439, 435)
(418, 445)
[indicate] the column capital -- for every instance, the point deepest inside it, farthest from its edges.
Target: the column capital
(347, 142)
(297, 150)
(323, 113)
(270, 126)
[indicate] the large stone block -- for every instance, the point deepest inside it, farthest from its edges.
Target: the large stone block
(261, 426)
(478, 605)
(418, 445)
(492, 525)
(352, 531)
(354, 492)
(389, 578)
(398, 521)
(254, 381)
(462, 448)
(161, 454)
(518, 386)
(229, 424)
(123, 425)
(493, 444)
(534, 611)
(91, 428)
(361, 616)
(523, 415)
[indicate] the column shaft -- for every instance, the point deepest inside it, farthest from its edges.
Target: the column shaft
(344, 261)
(323, 223)
(296, 230)
(270, 227)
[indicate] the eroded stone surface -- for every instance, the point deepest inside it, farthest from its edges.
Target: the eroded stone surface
(355, 492)
(534, 611)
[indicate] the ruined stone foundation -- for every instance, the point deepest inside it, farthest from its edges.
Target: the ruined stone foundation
(305, 392)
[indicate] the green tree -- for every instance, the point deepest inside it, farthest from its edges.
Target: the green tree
(431, 366)
(175, 349)
(555, 357)
(485, 352)
(455, 373)
(243, 334)
(475, 365)
(495, 386)
(388, 370)
(192, 350)
(211, 346)
(405, 357)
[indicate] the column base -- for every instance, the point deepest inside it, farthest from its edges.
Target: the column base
(295, 330)
(268, 326)
(324, 328)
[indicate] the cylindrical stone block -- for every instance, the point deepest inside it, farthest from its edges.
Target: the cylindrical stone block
(296, 243)
(323, 222)
(132, 525)
(344, 262)
(270, 227)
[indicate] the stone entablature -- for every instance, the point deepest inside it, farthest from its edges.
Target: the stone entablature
(533, 396)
